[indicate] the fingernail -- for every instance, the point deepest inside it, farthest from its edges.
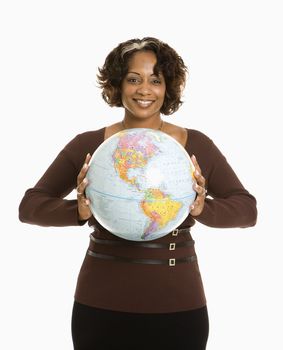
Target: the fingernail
(192, 207)
(85, 180)
(85, 166)
(197, 173)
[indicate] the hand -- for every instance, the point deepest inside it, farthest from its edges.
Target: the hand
(199, 186)
(83, 202)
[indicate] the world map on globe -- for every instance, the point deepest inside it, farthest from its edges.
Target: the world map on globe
(140, 184)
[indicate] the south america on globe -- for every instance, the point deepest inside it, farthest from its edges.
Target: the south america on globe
(140, 184)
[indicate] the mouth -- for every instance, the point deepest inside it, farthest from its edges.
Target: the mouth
(144, 103)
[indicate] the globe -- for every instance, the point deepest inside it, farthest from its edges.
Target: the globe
(140, 184)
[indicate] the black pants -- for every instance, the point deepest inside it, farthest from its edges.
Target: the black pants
(97, 329)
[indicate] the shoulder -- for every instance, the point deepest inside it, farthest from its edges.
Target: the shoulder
(90, 134)
(86, 141)
(204, 148)
(198, 138)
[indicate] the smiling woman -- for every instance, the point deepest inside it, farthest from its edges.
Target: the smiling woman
(140, 295)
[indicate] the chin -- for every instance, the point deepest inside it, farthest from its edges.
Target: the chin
(144, 113)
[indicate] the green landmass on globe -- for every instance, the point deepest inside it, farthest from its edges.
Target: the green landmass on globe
(159, 208)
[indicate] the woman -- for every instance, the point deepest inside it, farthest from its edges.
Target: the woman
(124, 304)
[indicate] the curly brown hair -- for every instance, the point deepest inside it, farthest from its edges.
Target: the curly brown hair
(115, 68)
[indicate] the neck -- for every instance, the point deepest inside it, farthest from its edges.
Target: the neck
(129, 125)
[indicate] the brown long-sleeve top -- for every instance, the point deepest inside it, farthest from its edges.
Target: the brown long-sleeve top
(133, 287)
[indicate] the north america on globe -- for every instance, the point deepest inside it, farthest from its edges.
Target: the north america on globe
(133, 151)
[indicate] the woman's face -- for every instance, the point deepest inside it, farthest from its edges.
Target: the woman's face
(143, 92)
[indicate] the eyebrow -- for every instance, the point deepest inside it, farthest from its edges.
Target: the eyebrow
(139, 73)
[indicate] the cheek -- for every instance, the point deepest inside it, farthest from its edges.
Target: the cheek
(160, 93)
(127, 92)
(126, 97)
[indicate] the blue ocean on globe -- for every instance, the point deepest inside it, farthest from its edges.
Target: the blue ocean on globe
(140, 184)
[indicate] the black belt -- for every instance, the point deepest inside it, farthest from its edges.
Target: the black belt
(170, 246)
(170, 262)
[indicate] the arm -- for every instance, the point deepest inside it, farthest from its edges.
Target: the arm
(44, 204)
(230, 205)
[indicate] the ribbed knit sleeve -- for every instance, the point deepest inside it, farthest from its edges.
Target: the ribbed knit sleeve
(230, 205)
(44, 204)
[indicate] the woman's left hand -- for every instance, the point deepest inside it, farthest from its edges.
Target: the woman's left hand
(199, 186)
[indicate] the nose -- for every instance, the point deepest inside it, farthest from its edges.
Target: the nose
(144, 89)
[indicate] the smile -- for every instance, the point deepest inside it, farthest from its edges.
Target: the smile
(144, 103)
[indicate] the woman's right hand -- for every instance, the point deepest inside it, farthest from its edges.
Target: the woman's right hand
(83, 202)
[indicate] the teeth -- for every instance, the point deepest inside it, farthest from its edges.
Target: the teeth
(144, 103)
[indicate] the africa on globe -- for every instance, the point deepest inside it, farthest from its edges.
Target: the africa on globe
(140, 184)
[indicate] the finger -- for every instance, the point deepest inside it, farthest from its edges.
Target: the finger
(200, 181)
(198, 203)
(197, 173)
(82, 186)
(87, 158)
(84, 169)
(82, 173)
(196, 164)
(84, 208)
(194, 206)
(85, 202)
(200, 190)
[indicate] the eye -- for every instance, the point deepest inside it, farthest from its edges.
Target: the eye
(156, 80)
(132, 80)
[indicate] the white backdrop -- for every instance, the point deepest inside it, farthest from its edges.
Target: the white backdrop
(50, 51)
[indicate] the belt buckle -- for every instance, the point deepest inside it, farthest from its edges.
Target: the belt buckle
(175, 232)
(172, 262)
(172, 246)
